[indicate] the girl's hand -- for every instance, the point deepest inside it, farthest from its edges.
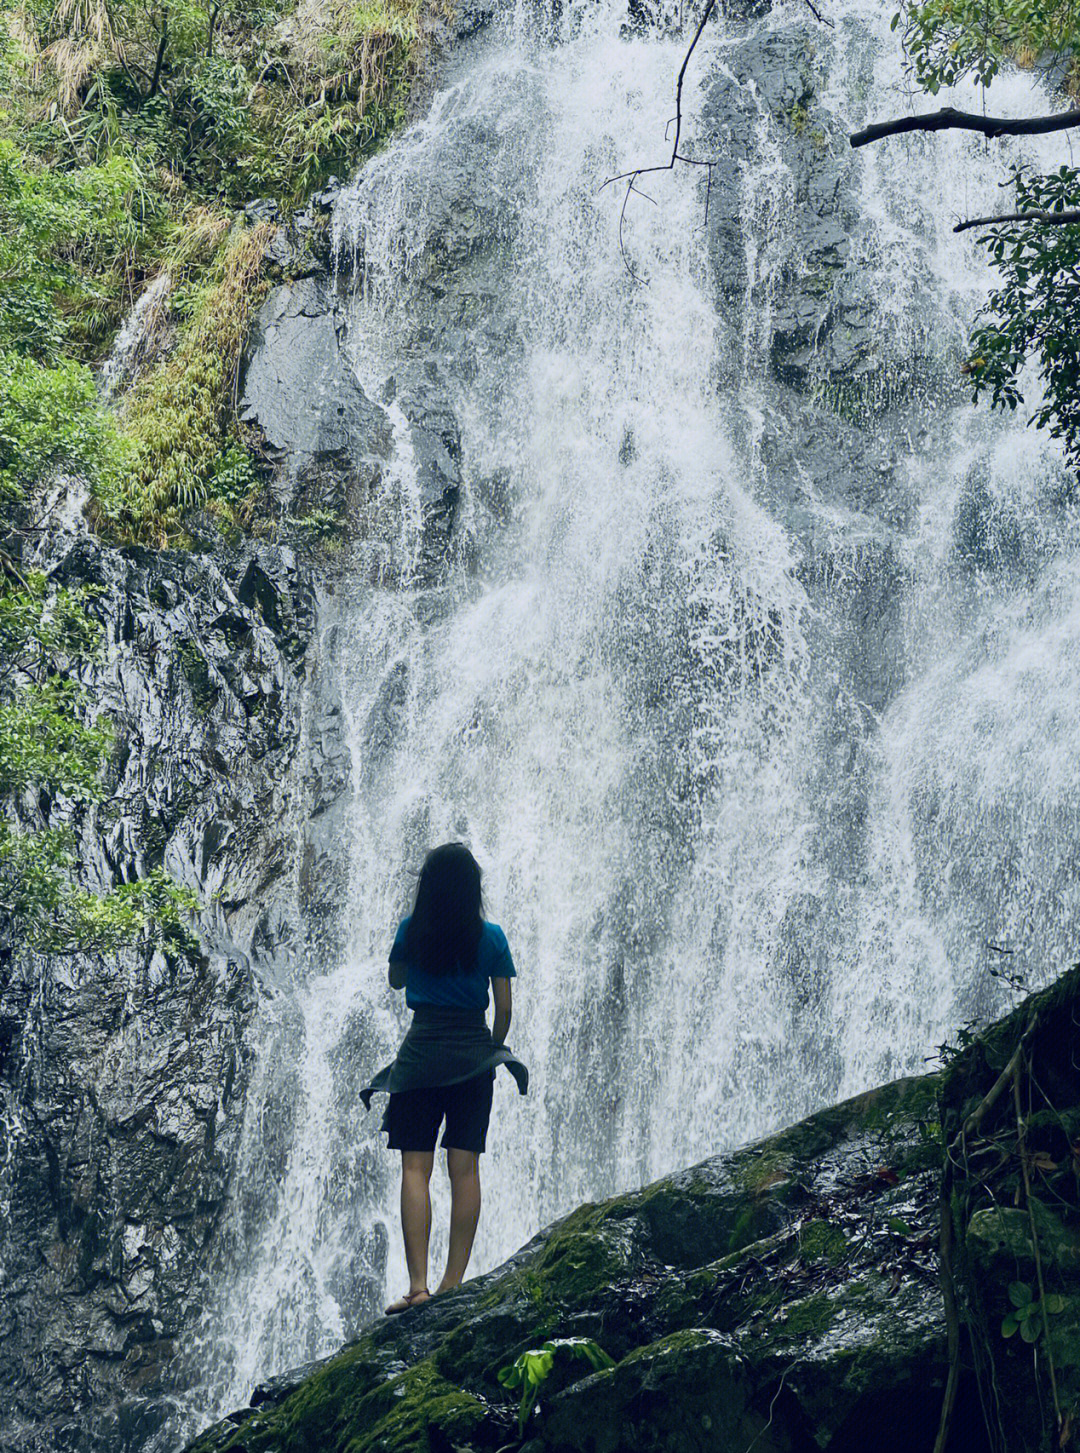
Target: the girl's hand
(397, 974)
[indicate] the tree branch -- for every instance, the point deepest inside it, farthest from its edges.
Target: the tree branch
(949, 119)
(1053, 219)
(631, 177)
(675, 157)
(160, 59)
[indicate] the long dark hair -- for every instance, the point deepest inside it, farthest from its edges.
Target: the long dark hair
(447, 920)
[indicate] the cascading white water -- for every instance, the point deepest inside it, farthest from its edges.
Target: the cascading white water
(735, 886)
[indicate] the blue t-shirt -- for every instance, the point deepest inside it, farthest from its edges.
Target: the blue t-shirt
(456, 991)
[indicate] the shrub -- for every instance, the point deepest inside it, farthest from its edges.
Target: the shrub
(51, 416)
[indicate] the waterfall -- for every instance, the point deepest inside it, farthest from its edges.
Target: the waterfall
(749, 679)
(143, 334)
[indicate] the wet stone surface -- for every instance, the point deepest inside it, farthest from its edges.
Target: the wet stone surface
(122, 1078)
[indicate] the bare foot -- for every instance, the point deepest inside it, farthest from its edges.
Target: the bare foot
(410, 1299)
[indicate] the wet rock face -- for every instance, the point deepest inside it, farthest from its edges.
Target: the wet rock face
(330, 443)
(337, 438)
(122, 1078)
(818, 315)
(300, 391)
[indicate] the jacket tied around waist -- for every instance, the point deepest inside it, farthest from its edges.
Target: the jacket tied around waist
(443, 1047)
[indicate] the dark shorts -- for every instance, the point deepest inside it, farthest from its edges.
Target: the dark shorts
(413, 1117)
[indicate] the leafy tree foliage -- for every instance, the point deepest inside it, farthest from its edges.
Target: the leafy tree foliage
(130, 133)
(50, 756)
(948, 39)
(51, 416)
(1035, 313)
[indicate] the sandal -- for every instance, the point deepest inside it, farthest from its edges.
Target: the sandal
(410, 1299)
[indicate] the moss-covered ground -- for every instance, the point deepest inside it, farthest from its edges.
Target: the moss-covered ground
(779, 1253)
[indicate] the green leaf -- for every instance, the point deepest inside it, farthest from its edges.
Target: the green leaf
(1054, 1303)
(1019, 1293)
(1029, 1329)
(1009, 1325)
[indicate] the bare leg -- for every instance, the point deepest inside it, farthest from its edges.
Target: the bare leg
(416, 1166)
(464, 1168)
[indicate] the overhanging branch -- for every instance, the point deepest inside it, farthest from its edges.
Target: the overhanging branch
(1054, 219)
(949, 119)
(631, 177)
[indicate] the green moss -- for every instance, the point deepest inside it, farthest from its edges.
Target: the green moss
(1004, 1232)
(760, 1168)
(821, 1241)
(178, 422)
(749, 1226)
(345, 1408)
(584, 1254)
(811, 1317)
(197, 674)
(798, 118)
(521, 1283)
(409, 1408)
(1065, 1334)
(854, 399)
(685, 1340)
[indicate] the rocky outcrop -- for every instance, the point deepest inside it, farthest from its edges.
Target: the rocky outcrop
(122, 1077)
(370, 448)
(329, 440)
(786, 1297)
(793, 1279)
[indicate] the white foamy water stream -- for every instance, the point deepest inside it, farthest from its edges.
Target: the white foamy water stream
(757, 762)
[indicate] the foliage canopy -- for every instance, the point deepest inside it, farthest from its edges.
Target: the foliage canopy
(1035, 314)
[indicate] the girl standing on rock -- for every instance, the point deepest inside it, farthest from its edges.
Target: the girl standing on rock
(443, 956)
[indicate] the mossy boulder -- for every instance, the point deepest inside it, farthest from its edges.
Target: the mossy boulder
(766, 1293)
(630, 1406)
(785, 1298)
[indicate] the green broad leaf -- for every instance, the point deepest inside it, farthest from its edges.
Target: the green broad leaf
(1009, 1325)
(1029, 1329)
(1054, 1303)
(899, 1225)
(1019, 1293)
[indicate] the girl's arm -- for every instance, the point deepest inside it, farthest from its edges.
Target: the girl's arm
(397, 973)
(500, 989)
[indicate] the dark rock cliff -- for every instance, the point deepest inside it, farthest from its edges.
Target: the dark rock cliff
(122, 1077)
(787, 1297)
